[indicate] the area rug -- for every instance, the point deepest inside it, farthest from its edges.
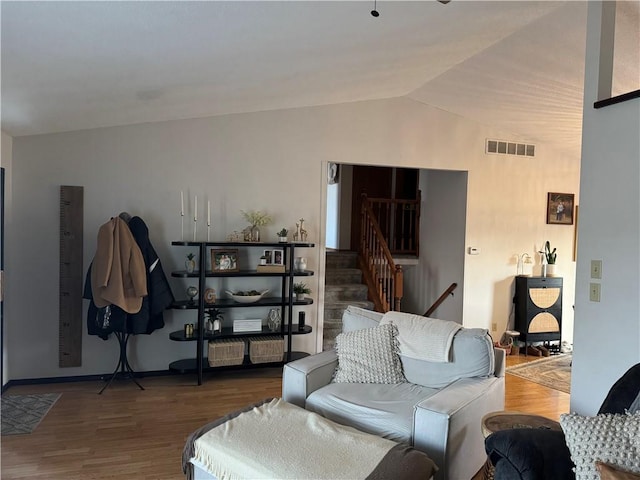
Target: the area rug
(23, 413)
(553, 372)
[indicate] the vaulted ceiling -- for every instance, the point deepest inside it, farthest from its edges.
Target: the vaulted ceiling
(518, 66)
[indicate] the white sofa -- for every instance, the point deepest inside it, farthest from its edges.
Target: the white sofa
(438, 410)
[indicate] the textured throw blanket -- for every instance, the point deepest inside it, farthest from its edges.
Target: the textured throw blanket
(423, 338)
(277, 440)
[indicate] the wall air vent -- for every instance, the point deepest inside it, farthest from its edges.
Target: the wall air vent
(504, 147)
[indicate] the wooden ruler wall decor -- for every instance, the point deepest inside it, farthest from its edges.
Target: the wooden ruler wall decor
(71, 228)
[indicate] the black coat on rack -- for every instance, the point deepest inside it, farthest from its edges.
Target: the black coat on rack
(104, 321)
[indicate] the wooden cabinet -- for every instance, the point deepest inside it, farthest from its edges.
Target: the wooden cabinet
(538, 312)
(284, 299)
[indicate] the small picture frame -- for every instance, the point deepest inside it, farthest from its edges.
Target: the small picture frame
(560, 208)
(224, 260)
(274, 256)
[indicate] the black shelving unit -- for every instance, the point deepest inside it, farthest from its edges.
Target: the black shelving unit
(286, 301)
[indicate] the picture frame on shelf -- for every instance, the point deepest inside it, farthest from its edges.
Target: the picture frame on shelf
(274, 256)
(560, 208)
(224, 260)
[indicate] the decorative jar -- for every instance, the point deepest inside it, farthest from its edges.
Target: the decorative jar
(300, 264)
(255, 233)
(273, 319)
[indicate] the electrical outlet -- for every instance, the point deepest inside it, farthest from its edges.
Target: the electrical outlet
(494, 327)
(594, 292)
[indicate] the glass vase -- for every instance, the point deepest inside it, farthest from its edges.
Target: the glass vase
(274, 320)
(255, 233)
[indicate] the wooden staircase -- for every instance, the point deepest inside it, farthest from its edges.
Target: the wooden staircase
(343, 287)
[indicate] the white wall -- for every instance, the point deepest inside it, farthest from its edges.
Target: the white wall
(274, 161)
(442, 240)
(607, 334)
(6, 146)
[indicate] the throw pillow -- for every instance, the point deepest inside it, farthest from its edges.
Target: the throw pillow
(607, 472)
(610, 438)
(369, 356)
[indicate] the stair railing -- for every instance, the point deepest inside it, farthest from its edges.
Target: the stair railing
(399, 222)
(382, 276)
(441, 298)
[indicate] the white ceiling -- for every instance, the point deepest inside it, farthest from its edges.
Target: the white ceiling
(67, 66)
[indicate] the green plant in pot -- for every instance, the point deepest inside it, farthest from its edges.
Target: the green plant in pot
(301, 290)
(550, 256)
(282, 235)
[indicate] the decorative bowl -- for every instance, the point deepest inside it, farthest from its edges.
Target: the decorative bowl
(247, 298)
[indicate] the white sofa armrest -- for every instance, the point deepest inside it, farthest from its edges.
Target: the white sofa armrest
(301, 378)
(447, 425)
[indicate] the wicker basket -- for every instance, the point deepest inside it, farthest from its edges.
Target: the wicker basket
(226, 352)
(266, 349)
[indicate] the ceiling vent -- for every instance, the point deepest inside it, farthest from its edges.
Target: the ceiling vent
(503, 147)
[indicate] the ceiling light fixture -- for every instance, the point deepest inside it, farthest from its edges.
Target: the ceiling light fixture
(374, 12)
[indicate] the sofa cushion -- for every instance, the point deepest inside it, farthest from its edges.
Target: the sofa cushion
(471, 356)
(368, 356)
(471, 352)
(610, 438)
(356, 318)
(385, 410)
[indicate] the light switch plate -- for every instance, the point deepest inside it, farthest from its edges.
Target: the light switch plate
(596, 269)
(594, 292)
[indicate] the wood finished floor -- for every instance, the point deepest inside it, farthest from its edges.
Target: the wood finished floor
(126, 433)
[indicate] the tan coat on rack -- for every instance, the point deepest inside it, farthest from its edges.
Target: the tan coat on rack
(118, 273)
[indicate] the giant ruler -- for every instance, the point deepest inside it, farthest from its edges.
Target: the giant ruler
(70, 318)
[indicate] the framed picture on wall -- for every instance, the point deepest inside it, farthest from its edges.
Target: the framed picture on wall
(560, 208)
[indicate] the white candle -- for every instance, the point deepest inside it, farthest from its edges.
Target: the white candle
(195, 209)
(181, 203)
(208, 213)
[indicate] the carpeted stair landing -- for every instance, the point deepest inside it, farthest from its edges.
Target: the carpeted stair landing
(343, 287)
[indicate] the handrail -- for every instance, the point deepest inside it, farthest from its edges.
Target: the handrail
(399, 222)
(441, 298)
(382, 275)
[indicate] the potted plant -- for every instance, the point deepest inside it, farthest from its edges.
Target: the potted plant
(190, 263)
(257, 219)
(301, 290)
(550, 256)
(214, 321)
(282, 235)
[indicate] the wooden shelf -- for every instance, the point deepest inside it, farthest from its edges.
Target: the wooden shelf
(227, 332)
(244, 244)
(189, 365)
(241, 273)
(229, 303)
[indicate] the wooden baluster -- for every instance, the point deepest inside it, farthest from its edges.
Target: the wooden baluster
(399, 287)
